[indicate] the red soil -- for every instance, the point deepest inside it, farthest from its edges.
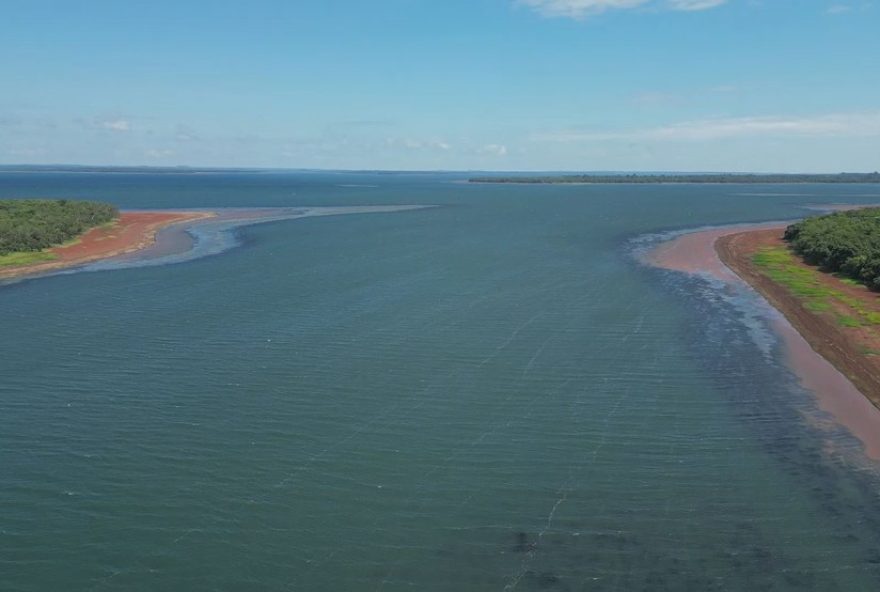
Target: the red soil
(132, 231)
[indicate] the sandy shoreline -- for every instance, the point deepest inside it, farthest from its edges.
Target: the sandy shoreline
(131, 232)
(824, 359)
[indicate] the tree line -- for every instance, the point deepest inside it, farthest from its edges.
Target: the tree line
(843, 242)
(36, 224)
(733, 178)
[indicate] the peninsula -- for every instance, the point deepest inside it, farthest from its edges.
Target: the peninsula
(39, 236)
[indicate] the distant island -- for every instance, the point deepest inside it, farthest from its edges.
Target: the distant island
(40, 235)
(704, 178)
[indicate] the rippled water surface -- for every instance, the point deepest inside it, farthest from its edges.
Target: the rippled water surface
(493, 394)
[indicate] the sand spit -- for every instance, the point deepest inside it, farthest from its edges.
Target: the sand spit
(132, 231)
(161, 237)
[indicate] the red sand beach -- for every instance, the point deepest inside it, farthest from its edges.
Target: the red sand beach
(721, 251)
(132, 231)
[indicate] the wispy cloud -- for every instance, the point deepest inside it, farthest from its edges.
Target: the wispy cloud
(493, 149)
(841, 8)
(114, 125)
(24, 152)
(159, 153)
(411, 144)
(831, 125)
(578, 9)
(694, 4)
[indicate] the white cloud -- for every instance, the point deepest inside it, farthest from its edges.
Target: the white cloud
(578, 9)
(689, 5)
(411, 144)
(115, 125)
(159, 153)
(27, 152)
(494, 149)
(831, 125)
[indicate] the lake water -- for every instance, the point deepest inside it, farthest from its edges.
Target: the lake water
(493, 394)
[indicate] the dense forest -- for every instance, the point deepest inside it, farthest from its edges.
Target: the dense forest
(35, 224)
(844, 242)
(687, 178)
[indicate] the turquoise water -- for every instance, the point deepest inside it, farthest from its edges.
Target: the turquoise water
(493, 394)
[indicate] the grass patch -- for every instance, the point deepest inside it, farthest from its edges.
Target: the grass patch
(25, 258)
(847, 321)
(818, 305)
(783, 267)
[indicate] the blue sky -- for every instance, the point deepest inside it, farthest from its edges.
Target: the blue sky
(693, 85)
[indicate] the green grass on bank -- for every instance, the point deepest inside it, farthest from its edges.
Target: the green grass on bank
(782, 266)
(26, 258)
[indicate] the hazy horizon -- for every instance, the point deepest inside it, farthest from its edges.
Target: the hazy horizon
(171, 168)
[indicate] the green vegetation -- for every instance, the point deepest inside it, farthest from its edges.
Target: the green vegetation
(845, 243)
(25, 258)
(698, 178)
(780, 265)
(28, 226)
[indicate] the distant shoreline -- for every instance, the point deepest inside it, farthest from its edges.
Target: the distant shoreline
(687, 179)
(132, 231)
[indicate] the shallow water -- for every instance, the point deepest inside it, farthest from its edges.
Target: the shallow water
(493, 394)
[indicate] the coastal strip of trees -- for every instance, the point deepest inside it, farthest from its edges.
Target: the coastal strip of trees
(847, 243)
(746, 179)
(28, 225)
